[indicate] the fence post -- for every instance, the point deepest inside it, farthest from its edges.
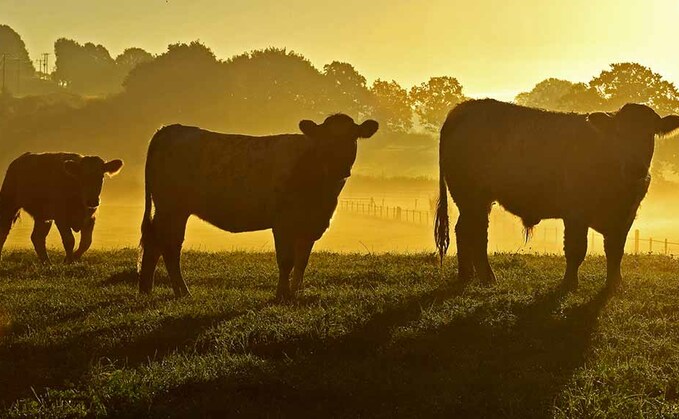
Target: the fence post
(636, 241)
(650, 245)
(398, 213)
(665, 247)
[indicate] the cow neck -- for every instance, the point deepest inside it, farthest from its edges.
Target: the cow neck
(324, 170)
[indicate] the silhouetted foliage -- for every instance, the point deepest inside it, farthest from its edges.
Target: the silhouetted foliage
(348, 92)
(434, 99)
(132, 57)
(178, 85)
(90, 70)
(561, 95)
(86, 69)
(581, 98)
(280, 84)
(391, 106)
(18, 64)
(632, 82)
(262, 92)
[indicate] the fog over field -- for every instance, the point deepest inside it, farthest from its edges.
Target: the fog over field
(333, 124)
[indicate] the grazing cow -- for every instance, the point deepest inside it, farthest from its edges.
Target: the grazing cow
(59, 187)
(589, 170)
(289, 183)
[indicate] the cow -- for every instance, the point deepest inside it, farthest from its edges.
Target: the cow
(289, 183)
(59, 187)
(590, 170)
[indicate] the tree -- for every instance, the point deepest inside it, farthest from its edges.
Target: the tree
(86, 69)
(632, 82)
(348, 91)
(561, 95)
(273, 89)
(180, 85)
(130, 58)
(391, 106)
(581, 98)
(18, 64)
(434, 99)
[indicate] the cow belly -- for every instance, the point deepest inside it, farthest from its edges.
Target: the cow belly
(236, 220)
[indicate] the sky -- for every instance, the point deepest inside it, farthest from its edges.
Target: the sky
(494, 48)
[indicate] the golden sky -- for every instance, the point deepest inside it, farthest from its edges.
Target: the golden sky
(494, 47)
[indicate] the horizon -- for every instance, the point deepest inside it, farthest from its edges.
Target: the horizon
(481, 44)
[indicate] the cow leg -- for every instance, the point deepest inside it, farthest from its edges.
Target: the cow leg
(169, 229)
(85, 239)
(471, 233)
(302, 251)
(40, 230)
(575, 248)
(68, 240)
(463, 237)
(285, 257)
(149, 260)
(7, 217)
(614, 246)
(479, 240)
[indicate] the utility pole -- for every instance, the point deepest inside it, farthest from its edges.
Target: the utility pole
(45, 58)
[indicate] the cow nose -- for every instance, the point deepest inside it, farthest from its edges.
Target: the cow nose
(93, 203)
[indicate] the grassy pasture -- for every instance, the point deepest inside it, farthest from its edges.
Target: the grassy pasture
(371, 336)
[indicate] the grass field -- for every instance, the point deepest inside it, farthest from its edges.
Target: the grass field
(372, 336)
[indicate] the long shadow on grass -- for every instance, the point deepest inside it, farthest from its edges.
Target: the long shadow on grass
(24, 366)
(470, 367)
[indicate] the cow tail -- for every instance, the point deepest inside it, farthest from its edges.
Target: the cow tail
(147, 222)
(441, 223)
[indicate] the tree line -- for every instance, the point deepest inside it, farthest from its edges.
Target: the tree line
(93, 101)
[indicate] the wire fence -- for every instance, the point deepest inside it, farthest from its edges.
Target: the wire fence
(505, 234)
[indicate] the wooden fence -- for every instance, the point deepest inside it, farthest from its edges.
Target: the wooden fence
(546, 237)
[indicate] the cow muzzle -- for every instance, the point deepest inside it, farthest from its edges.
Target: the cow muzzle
(92, 204)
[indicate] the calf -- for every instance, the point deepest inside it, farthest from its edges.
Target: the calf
(59, 187)
(289, 183)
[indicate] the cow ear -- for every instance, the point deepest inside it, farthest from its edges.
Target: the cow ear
(668, 124)
(113, 167)
(601, 121)
(309, 128)
(72, 167)
(368, 128)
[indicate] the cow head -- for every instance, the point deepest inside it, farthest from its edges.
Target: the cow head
(89, 175)
(337, 137)
(631, 132)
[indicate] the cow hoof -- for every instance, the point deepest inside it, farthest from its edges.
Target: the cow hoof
(284, 297)
(182, 294)
(613, 285)
(488, 281)
(464, 279)
(569, 285)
